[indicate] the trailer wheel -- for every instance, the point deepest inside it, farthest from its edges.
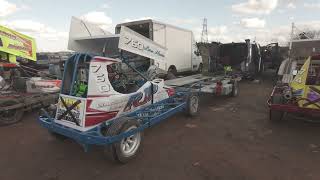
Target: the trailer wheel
(192, 104)
(128, 148)
(276, 116)
(10, 116)
(235, 89)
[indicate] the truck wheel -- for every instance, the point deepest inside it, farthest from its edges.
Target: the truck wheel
(235, 89)
(128, 148)
(173, 70)
(10, 116)
(192, 104)
(276, 116)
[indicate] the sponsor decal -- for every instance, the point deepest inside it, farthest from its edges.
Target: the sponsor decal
(298, 92)
(137, 100)
(69, 110)
(17, 44)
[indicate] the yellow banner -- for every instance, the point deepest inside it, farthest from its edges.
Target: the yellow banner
(17, 44)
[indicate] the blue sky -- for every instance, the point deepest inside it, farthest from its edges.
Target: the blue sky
(230, 20)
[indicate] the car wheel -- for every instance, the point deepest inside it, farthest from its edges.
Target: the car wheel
(12, 116)
(127, 148)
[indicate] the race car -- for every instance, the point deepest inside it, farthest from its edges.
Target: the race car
(301, 96)
(95, 91)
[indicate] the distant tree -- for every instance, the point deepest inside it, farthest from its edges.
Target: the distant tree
(307, 34)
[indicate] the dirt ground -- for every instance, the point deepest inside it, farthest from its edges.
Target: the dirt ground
(231, 139)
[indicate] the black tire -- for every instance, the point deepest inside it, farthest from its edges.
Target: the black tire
(57, 136)
(276, 116)
(173, 70)
(11, 116)
(193, 106)
(115, 151)
(235, 89)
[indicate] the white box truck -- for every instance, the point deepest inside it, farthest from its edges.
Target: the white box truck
(182, 51)
(182, 54)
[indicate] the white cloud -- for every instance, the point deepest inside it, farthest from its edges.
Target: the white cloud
(315, 5)
(27, 26)
(47, 38)
(7, 8)
(253, 23)
(99, 18)
(255, 7)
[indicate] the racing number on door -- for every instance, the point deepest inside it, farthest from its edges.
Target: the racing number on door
(100, 78)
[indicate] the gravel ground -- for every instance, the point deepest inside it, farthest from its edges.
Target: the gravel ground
(232, 138)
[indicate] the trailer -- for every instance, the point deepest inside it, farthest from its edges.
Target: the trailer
(220, 85)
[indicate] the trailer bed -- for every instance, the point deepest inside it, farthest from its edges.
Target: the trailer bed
(217, 85)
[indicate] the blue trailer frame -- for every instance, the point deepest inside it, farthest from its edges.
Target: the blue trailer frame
(148, 116)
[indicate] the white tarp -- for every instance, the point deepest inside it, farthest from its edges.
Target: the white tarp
(136, 43)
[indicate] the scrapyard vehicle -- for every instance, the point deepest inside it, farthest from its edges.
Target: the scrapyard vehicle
(19, 91)
(100, 106)
(182, 54)
(301, 95)
(244, 58)
(19, 94)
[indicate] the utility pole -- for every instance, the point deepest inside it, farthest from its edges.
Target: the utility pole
(204, 34)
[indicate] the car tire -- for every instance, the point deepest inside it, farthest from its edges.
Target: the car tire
(12, 116)
(173, 70)
(128, 148)
(193, 107)
(275, 115)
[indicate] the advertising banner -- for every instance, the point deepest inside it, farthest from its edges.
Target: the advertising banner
(17, 44)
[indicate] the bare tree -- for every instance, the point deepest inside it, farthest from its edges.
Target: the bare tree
(307, 34)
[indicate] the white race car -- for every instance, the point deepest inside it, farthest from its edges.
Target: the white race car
(94, 92)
